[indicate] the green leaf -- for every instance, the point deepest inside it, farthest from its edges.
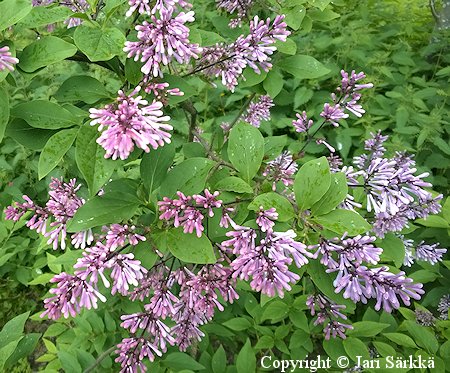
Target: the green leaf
(275, 310)
(44, 52)
(321, 4)
(44, 15)
(99, 44)
(273, 146)
(367, 329)
(343, 221)
(69, 362)
(90, 159)
(246, 149)
(13, 329)
(401, 339)
(44, 114)
(234, 184)
(354, 347)
(246, 359)
(393, 249)
(433, 221)
(335, 194)
(4, 111)
(384, 349)
(287, 47)
(7, 351)
(273, 84)
(31, 138)
(189, 248)
(294, 16)
(298, 339)
(154, 166)
(219, 361)
(119, 202)
(303, 67)
(81, 88)
(312, 182)
(12, 11)
(189, 177)
(25, 347)
(238, 324)
(424, 276)
(268, 200)
(264, 343)
(179, 361)
(56, 147)
(42, 279)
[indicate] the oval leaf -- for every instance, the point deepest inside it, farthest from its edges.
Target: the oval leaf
(4, 111)
(99, 44)
(154, 166)
(312, 182)
(189, 248)
(335, 194)
(44, 52)
(54, 150)
(81, 88)
(234, 184)
(303, 67)
(246, 149)
(343, 221)
(44, 114)
(271, 199)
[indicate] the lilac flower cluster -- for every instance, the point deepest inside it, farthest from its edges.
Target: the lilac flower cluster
(240, 7)
(258, 111)
(160, 91)
(163, 40)
(131, 121)
(423, 252)
(51, 220)
(253, 50)
(347, 98)
(188, 211)
(360, 283)
(264, 256)
(394, 193)
(80, 290)
(194, 306)
(144, 6)
(328, 312)
(282, 168)
(7, 61)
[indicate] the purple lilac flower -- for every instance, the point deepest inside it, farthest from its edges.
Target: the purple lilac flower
(333, 114)
(258, 111)
(126, 271)
(302, 123)
(186, 211)
(240, 7)
(282, 168)
(266, 264)
(61, 207)
(160, 91)
(71, 294)
(117, 235)
(394, 192)
(254, 50)
(429, 253)
(164, 39)
(444, 306)
(327, 145)
(129, 122)
(144, 6)
(7, 61)
(361, 283)
(132, 351)
(329, 313)
(265, 219)
(409, 256)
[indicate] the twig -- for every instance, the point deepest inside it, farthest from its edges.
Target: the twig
(195, 71)
(188, 106)
(241, 111)
(99, 7)
(102, 356)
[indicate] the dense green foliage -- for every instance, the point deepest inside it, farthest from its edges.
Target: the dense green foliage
(44, 111)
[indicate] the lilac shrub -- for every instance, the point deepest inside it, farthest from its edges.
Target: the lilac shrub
(230, 215)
